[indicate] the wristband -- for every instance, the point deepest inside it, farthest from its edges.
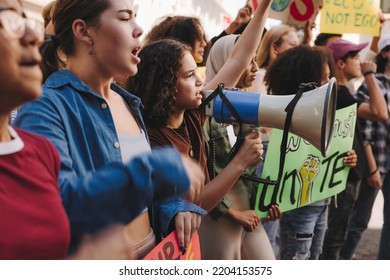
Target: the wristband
(368, 73)
(372, 173)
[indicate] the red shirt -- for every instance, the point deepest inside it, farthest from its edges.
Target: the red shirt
(33, 222)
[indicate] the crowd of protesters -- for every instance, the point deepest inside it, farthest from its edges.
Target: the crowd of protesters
(105, 148)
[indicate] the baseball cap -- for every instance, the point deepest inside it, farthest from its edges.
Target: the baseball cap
(342, 47)
(383, 42)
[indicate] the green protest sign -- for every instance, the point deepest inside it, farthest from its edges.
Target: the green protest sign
(307, 175)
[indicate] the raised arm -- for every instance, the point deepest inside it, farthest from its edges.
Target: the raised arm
(376, 107)
(244, 50)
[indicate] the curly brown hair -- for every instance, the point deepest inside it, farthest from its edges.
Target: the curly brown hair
(302, 64)
(155, 82)
(185, 29)
(382, 61)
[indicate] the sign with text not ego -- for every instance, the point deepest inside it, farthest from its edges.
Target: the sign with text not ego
(307, 175)
(350, 16)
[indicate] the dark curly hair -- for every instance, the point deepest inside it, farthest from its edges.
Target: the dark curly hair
(155, 82)
(181, 28)
(381, 61)
(302, 64)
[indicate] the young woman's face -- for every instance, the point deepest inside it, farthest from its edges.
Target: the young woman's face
(199, 47)
(20, 75)
(289, 41)
(247, 78)
(116, 39)
(189, 85)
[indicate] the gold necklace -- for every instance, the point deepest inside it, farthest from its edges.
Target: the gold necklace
(191, 153)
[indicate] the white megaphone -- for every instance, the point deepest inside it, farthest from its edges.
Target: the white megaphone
(312, 118)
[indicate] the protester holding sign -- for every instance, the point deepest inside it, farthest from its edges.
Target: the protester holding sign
(171, 92)
(302, 230)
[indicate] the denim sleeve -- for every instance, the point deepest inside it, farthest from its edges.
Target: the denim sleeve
(170, 207)
(116, 192)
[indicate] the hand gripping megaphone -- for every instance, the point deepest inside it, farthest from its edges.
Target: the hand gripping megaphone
(312, 117)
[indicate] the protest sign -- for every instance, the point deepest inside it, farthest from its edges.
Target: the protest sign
(296, 12)
(307, 175)
(350, 16)
(168, 249)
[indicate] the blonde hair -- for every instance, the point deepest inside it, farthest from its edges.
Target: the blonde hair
(274, 36)
(47, 12)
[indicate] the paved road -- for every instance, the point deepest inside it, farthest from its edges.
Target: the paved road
(368, 246)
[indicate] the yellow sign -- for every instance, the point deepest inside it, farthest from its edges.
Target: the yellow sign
(350, 16)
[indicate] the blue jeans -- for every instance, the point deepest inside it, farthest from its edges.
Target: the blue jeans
(384, 245)
(272, 230)
(361, 215)
(302, 232)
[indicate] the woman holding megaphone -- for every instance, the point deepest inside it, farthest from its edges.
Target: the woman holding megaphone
(171, 92)
(238, 232)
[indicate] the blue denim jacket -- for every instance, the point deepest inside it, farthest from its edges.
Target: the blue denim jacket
(96, 187)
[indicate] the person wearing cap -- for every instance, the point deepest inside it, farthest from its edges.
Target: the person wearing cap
(348, 66)
(376, 138)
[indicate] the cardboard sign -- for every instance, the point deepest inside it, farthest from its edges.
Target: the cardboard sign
(296, 12)
(350, 16)
(307, 175)
(168, 249)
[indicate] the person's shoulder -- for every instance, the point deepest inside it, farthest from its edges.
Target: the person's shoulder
(343, 91)
(158, 136)
(63, 85)
(34, 139)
